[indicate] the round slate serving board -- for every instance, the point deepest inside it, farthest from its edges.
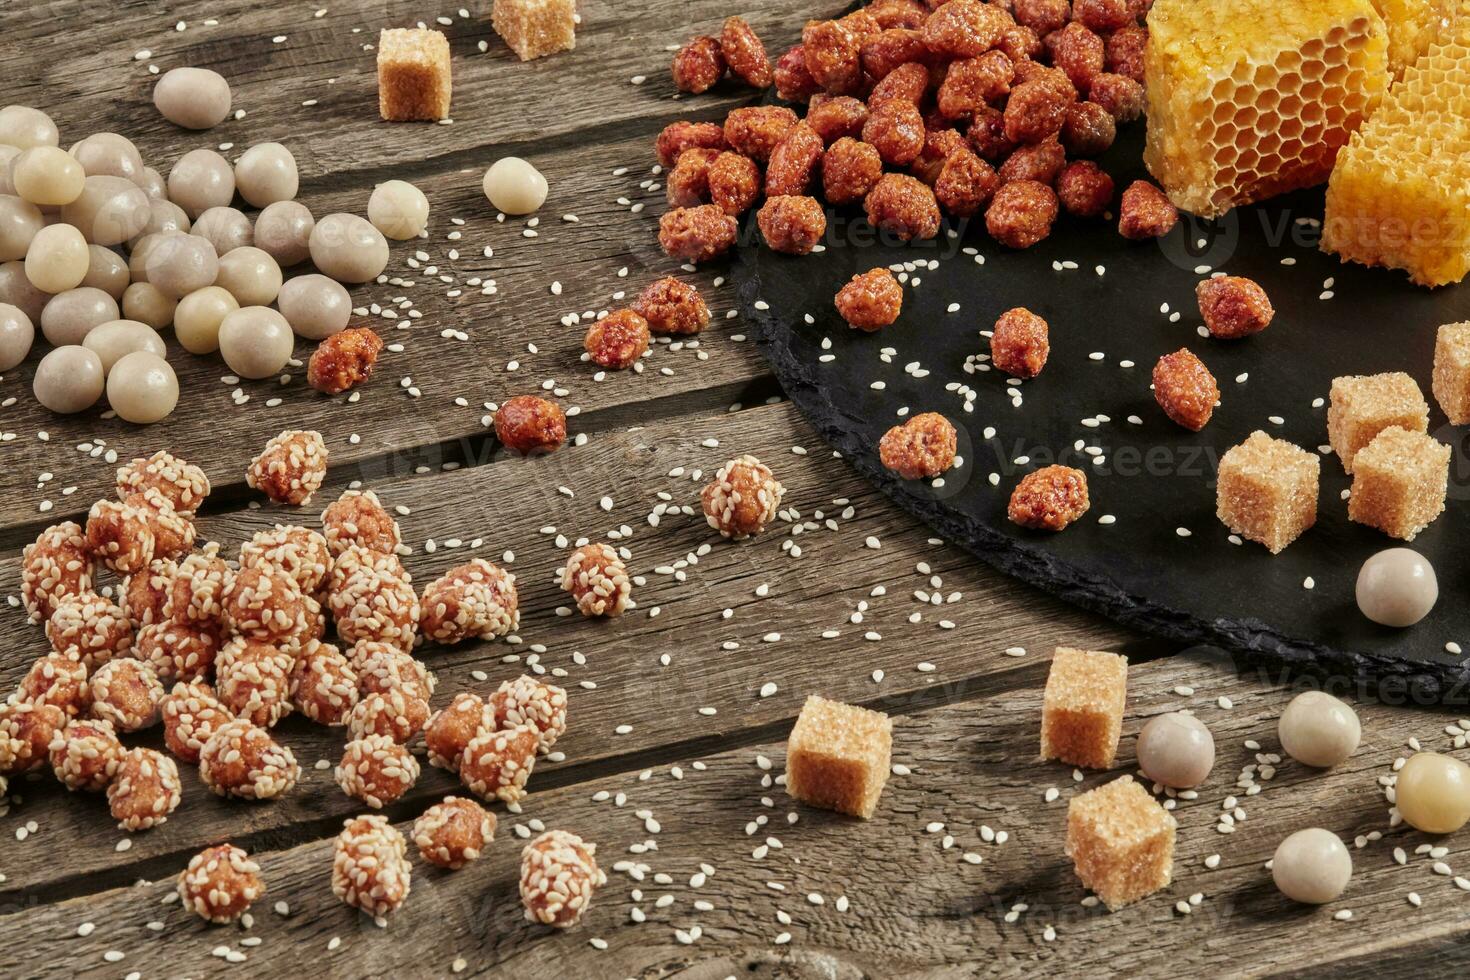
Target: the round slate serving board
(1155, 478)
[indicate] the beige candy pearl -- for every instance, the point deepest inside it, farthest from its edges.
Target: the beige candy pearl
(194, 98)
(57, 259)
(144, 303)
(109, 155)
(110, 210)
(514, 186)
(153, 184)
(116, 339)
(8, 156)
(107, 271)
(226, 228)
(348, 248)
(17, 290)
(255, 341)
(266, 173)
(1176, 750)
(398, 209)
(178, 264)
(20, 220)
(200, 180)
(198, 318)
(24, 127)
(142, 388)
(316, 307)
(47, 175)
(1397, 587)
(1432, 793)
(17, 333)
(250, 275)
(1317, 729)
(70, 316)
(283, 230)
(68, 380)
(163, 216)
(1312, 866)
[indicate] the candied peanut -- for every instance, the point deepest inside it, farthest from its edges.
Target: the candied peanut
(1041, 162)
(1145, 212)
(1185, 389)
(1125, 52)
(850, 168)
(939, 144)
(973, 82)
(903, 206)
(987, 134)
(530, 424)
(344, 360)
(734, 183)
(834, 117)
(1085, 189)
(793, 82)
(794, 161)
(744, 53)
(906, 83)
(1021, 213)
(698, 65)
(1036, 110)
(1049, 499)
(1019, 43)
(898, 13)
(792, 224)
(1138, 9)
(1020, 343)
(921, 448)
(1119, 94)
(697, 234)
(891, 49)
(672, 307)
(966, 183)
(618, 340)
(1102, 16)
(964, 28)
(680, 136)
(1042, 16)
(871, 300)
(1233, 307)
(896, 130)
(863, 25)
(755, 130)
(833, 55)
(688, 182)
(1088, 130)
(1078, 52)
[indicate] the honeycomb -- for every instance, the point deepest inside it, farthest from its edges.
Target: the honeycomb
(1251, 98)
(1400, 195)
(1412, 27)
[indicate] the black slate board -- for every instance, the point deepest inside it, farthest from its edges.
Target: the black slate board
(1158, 477)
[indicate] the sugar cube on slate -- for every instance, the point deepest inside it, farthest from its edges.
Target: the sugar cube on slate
(1121, 842)
(535, 28)
(1452, 371)
(1364, 405)
(413, 75)
(837, 756)
(1082, 709)
(1399, 482)
(1267, 490)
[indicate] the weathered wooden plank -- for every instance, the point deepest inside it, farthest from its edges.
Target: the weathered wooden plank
(658, 666)
(845, 898)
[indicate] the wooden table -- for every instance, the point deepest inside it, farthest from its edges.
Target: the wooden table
(679, 710)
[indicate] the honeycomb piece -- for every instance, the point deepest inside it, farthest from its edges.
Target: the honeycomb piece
(1412, 27)
(1400, 195)
(1252, 98)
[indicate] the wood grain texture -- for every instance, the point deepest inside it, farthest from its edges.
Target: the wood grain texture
(779, 606)
(914, 907)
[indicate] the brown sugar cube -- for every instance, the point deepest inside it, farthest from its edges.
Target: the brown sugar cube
(1399, 482)
(1121, 842)
(1452, 371)
(413, 75)
(1082, 709)
(837, 756)
(1362, 406)
(1267, 491)
(536, 28)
